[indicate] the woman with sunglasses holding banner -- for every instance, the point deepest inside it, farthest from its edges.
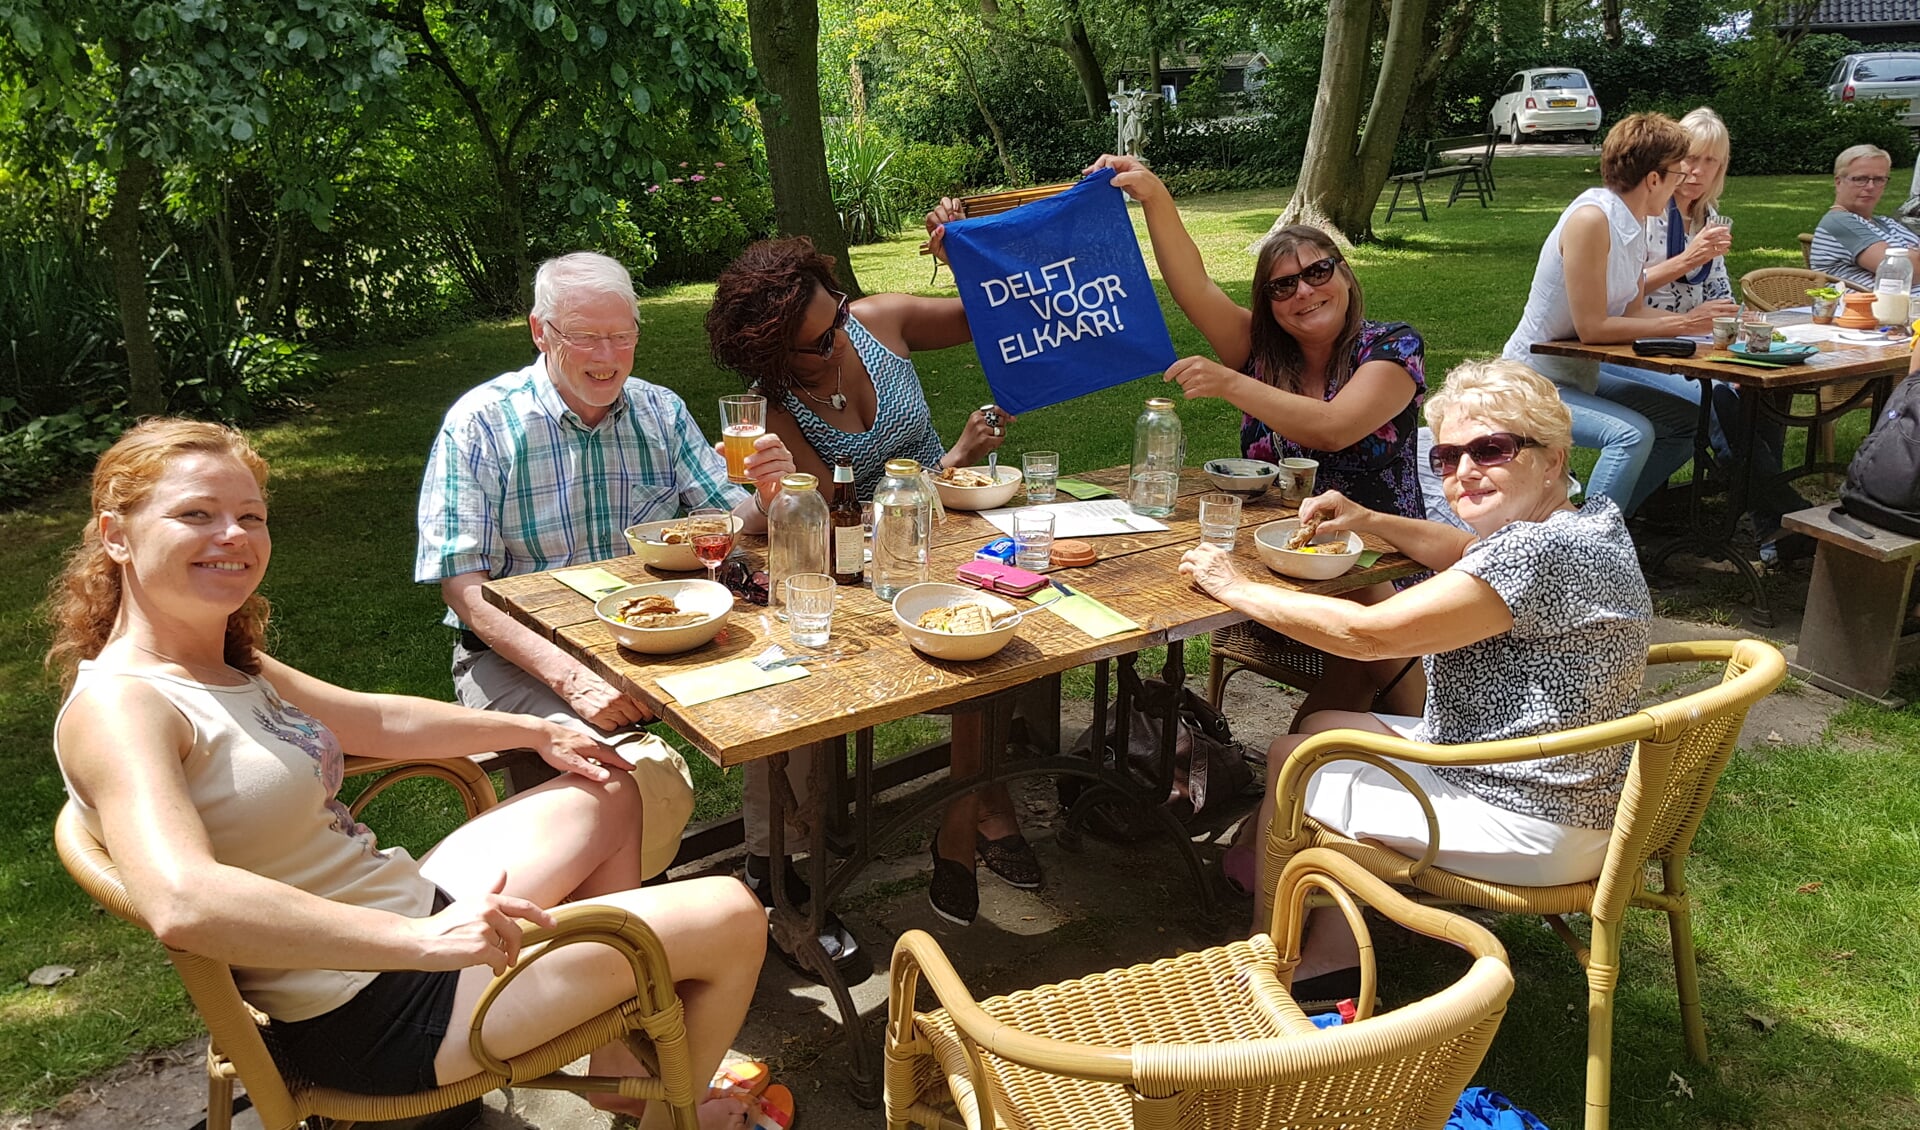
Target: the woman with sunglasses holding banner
(1536, 620)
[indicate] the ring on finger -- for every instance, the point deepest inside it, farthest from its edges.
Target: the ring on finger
(999, 432)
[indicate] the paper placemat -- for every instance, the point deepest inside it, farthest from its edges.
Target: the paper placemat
(1084, 613)
(1082, 490)
(735, 676)
(1081, 519)
(592, 583)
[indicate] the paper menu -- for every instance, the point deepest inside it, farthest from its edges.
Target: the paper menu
(1096, 518)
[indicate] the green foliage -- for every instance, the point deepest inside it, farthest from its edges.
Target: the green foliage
(866, 192)
(46, 447)
(697, 220)
(926, 172)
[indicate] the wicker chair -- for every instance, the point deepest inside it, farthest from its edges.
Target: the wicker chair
(1252, 646)
(1682, 747)
(1777, 288)
(652, 1022)
(1806, 249)
(1208, 1039)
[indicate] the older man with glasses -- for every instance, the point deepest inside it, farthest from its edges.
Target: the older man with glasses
(1851, 241)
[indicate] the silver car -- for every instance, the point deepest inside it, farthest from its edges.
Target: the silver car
(1889, 76)
(1546, 100)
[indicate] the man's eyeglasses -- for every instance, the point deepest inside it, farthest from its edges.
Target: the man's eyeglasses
(743, 580)
(1490, 450)
(587, 343)
(824, 347)
(1865, 182)
(1316, 274)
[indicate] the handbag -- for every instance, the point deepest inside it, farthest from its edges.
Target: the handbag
(1883, 481)
(1209, 766)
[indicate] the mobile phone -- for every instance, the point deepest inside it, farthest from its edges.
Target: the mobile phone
(997, 576)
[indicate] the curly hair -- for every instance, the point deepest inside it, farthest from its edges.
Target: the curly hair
(1277, 358)
(758, 304)
(84, 599)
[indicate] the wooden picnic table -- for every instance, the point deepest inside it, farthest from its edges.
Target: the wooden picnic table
(1875, 366)
(879, 677)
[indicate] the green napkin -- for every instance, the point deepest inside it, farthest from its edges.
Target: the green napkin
(735, 676)
(1085, 613)
(1082, 491)
(591, 583)
(1368, 557)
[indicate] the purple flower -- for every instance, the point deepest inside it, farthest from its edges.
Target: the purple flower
(683, 164)
(715, 199)
(652, 188)
(696, 178)
(719, 164)
(679, 180)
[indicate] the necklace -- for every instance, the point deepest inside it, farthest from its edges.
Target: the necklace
(165, 658)
(838, 399)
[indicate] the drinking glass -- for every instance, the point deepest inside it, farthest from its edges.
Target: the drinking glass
(1042, 471)
(810, 608)
(1033, 538)
(1219, 519)
(743, 420)
(711, 530)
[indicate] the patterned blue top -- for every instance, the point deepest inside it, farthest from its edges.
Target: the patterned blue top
(1380, 471)
(902, 422)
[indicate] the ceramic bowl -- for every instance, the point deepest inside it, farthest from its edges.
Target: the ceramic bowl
(914, 600)
(1270, 542)
(981, 498)
(1242, 476)
(676, 558)
(693, 596)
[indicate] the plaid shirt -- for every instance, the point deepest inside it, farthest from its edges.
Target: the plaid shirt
(516, 483)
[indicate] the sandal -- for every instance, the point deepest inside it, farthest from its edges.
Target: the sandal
(745, 1080)
(1011, 858)
(773, 1110)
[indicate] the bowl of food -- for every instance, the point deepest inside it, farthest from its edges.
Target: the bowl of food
(976, 488)
(1242, 476)
(665, 617)
(954, 621)
(669, 545)
(1305, 554)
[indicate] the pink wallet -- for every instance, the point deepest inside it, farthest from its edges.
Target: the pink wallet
(995, 576)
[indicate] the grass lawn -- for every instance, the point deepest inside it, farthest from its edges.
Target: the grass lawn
(1811, 990)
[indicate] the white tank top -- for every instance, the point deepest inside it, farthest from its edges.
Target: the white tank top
(1549, 317)
(263, 774)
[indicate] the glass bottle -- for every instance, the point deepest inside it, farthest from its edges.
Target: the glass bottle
(902, 529)
(849, 536)
(796, 536)
(1892, 284)
(1158, 452)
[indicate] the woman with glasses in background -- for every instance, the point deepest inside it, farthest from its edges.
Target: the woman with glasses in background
(1851, 241)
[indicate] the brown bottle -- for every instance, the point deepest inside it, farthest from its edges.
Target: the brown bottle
(847, 553)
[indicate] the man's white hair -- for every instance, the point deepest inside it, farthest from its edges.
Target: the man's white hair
(580, 272)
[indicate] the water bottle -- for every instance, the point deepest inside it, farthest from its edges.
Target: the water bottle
(1158, 451)
(902, 529)
(1892, 284)
(797, 527)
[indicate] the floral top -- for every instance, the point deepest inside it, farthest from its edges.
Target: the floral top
(1380, 471)
(1693, 288)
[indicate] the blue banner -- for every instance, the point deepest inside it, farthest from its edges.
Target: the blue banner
(1058, 297)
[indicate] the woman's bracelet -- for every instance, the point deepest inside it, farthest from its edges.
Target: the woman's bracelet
(758, 504)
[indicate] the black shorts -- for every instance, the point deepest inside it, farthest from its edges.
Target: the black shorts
(381, 1042)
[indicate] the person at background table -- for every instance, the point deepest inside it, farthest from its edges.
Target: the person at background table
(839, 380)
(1587, 285)
(1312, 377)
(1537, 620)
(1850, 241)
(208, 769)
(545, 467)
(1686, 267)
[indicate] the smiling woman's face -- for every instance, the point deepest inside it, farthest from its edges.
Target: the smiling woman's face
(1310, 313)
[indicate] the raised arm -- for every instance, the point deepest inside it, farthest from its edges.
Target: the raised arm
(1707, 244)
(1377, 392)
(1584, 246)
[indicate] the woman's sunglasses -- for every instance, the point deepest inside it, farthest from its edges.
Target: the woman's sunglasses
(743, 581)
(824, 347)
(1316, 274)
(1489, 450)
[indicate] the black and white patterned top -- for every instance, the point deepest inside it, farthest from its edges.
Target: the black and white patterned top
(1575, 656)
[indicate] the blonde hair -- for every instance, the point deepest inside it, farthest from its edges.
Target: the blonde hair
(1710, 136)
(1507, 393)
(1854, 153)
(84, 601)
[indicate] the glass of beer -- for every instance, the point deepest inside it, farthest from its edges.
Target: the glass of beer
(743, 419)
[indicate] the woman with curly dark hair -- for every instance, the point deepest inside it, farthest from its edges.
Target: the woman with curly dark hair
(839, 381)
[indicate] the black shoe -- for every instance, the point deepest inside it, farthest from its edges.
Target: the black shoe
(1011, 858)
(842, 948)
(954, 891)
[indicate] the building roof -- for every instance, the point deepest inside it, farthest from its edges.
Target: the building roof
(1860, 13)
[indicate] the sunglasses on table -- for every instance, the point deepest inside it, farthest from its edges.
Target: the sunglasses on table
(824, 346)
(1490, 450)
(1316, 274)
(743, 581)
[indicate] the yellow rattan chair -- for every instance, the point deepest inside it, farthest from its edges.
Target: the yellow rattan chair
(1780, 288)
(1208, 1039)
(651, 1022)
(1682, 748)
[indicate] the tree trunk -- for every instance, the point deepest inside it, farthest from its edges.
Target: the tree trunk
(785, 38)
(1549, 20)
(1610, 22)
(1329, 162)
(1079, 48)
(121, 233)
(980, 103)
(1399, 66)
(857, 87)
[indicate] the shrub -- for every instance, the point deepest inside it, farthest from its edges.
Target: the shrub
(701, 217)
(926, 172)
(47, 447)
(866, 193)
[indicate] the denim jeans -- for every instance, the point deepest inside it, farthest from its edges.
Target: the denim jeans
(1643, 433)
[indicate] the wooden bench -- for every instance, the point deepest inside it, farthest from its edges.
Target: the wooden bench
(1470, 173)
(1850, 638)
(993, 203)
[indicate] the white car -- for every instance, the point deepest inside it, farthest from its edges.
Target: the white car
(1892, 76)
(1546, 100)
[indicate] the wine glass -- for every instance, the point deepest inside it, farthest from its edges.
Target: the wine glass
(711, 529)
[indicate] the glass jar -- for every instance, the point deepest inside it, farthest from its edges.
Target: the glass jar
(1158, 451)
(797, 526)
(1892, 285)
(902, 529)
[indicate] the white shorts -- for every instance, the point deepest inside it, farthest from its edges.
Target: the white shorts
(1477, 839)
